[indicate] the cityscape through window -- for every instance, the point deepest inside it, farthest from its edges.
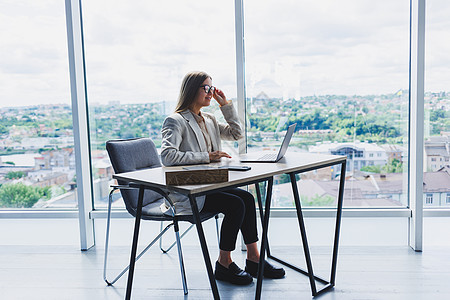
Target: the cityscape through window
(337, 70)
(37, 161)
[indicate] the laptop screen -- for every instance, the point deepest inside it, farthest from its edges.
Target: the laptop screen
(286, 140)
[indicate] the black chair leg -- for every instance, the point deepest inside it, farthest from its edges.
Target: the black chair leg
(174, 243)
(108, 222)
(135, 243)
(180, 256)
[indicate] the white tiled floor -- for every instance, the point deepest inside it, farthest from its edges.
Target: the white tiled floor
(40, 259)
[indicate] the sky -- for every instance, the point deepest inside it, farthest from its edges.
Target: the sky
(138, 52)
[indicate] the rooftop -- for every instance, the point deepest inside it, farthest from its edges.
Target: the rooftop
(328, 147)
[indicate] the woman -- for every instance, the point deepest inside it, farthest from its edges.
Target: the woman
(193, 137)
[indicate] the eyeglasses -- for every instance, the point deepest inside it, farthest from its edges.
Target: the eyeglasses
(208, 88)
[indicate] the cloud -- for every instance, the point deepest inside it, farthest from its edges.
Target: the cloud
(156, 45)
(327, 47)
(139, 51)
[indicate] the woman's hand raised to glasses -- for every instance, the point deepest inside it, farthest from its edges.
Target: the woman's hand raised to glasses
(217, 155)
(220, 97)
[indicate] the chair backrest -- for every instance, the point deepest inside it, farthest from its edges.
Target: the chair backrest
(131, 155)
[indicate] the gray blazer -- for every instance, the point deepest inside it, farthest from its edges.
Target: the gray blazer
(183, 144)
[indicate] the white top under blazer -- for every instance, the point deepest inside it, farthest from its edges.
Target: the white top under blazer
(183, 143)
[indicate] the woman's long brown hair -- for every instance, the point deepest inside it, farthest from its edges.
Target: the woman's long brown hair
(189, 89)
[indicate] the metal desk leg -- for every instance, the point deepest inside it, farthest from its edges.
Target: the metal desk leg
(261, 213)
(264, 240)
(259, 199)
(309, 272)
(338, 222)
(137, 224)
(201, 236)
(301, 223)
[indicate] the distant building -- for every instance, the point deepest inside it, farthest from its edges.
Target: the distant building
(114, 103)
(55, 159)
(45, 142)
(437, 153)
(312, 131)
(368, 191)
(436, 188)
(20, 160)
(358, 154)
(258, 102)
(39, 163)
(103, 168)
(35, 143)
(50, 179)
(395, 152)
(377, 190)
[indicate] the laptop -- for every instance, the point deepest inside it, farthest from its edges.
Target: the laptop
(271, 157)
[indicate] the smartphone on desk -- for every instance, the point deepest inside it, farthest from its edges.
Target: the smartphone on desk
(236, 168)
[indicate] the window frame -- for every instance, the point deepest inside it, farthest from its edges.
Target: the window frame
(87, 212)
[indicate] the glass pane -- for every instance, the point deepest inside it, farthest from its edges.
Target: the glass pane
(136, 57)
(339, 70)
(37, 163)
(436, 175)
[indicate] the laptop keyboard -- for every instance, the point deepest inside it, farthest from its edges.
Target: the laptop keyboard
(270, 156)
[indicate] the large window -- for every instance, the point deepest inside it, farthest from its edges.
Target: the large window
(437, 103)
(37, 164)
(136, 56)
(339, 70)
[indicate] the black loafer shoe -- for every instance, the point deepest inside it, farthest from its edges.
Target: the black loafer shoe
(270, 271)
(233, 274)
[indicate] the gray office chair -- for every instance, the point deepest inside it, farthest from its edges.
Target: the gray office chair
(135, 154)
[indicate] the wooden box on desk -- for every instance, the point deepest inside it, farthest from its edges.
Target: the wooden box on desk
(200, 176)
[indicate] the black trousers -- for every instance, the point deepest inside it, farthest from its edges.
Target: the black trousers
(238, 206)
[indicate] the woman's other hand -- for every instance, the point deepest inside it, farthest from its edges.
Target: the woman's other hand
(220, 97)
(217, 155)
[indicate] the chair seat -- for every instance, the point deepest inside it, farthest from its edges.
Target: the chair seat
(152, 211)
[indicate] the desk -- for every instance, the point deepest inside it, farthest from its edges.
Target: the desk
(293, 163)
